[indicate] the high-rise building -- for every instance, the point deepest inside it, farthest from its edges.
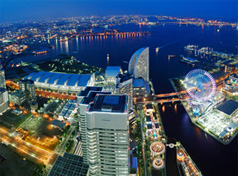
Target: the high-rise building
(126, 87)
(83, 121)
(3, 92)
(3, 100)
(2, 78)
(81, 116)
(139, 64)
(27, 86)
(108, 135)
(85, 92)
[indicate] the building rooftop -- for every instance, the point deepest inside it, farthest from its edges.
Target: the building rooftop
(219, 74)
(69, 165)
(156, 125)
(109, 103)
(88, 89)
(149, 126)
(59, 78)
(91, 96)
(139, 83)
(228, 107)
(58, 123)
(190, 59)
(112, 71)
(148, 119)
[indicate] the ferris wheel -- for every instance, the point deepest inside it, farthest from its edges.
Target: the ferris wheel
(200, 85)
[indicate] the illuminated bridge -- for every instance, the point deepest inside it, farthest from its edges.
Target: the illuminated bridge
(164, 95)
(163, 98)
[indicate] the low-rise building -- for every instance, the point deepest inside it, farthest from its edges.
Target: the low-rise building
(17, 97)
(61, 82)
(140, 87)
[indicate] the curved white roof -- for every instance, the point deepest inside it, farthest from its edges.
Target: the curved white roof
(139, 64)
(43, 78)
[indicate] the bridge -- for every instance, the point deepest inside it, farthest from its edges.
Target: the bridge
(163, 98)
(170, 94)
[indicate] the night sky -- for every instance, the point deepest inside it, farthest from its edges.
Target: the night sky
(16, 10)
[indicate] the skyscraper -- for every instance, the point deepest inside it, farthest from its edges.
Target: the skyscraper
(108, 136)
(2, 78)
(83, 121)
(3, 92)
(139, 64)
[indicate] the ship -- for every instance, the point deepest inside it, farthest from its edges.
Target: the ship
(191, 47)
(157, 49)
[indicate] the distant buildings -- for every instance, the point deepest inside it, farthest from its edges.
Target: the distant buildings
(108, 136)
(139, 64)
(61, 82)
(231, 84)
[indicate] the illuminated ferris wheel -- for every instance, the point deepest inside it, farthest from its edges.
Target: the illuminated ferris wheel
(200, 85)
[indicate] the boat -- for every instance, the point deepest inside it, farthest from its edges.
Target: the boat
(157, 49)
(191, 47)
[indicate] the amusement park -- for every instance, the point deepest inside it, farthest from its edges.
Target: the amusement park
(208, 107)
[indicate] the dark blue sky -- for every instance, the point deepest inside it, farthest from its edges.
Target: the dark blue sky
(15, 10)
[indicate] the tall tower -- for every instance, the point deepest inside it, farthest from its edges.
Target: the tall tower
(108, 136)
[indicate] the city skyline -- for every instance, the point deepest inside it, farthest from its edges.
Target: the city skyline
(85, 90)
(20, 10)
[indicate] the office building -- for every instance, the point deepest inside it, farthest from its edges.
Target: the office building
(3, 100)
(83, 121)
(108, 136)
(17, 97)
(139, 64)
(3, 92)
(27, 86)
(2, 78)
(126, 87)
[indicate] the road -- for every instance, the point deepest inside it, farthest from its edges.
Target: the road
(26, 148)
